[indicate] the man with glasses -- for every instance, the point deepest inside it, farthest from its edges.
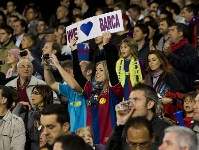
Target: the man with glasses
(139, 133)
(11, 10)
(26, 82)
(143, 102)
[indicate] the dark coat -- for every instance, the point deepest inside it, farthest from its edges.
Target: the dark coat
(117, 140)
(184, 62)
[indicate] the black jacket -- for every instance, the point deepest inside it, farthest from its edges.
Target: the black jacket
(184, 62)
(117, 140)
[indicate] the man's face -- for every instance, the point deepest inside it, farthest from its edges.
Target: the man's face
(132, 13)
(138, 34)
(31, 15)
(83, 65)
(51, 128)
(25, 69)
(138, 103)
(174, 35)
(65, 3)
(57, 146)
(11, 21)
(41, 26)
(61, 12)
(169, 142)
(196, 109)
(154, 6)
(10, 7)
(139, 138)
(18, 29)
(50, 37)
(4, 36)
(187, 15)
(99, 40)
(78, 3)
(163, 28)
(47, 49)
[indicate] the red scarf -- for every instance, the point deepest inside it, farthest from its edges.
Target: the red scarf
(179, 45)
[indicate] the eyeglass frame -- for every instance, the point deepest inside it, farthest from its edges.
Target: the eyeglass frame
(141, 145)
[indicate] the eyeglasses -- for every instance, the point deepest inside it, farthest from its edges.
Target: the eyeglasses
(23, 67)
(141, 145)
(36, 93)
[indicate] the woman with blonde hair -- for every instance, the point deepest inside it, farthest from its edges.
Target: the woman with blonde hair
(87, 134)
(12, 60)
(103, 94)
(29, 42)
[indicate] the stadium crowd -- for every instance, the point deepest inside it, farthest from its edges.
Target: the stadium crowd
(133, 89)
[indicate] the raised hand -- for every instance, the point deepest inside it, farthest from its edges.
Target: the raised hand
(106, 37)
(73, 44)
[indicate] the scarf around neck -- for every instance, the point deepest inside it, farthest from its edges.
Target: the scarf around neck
(95, 93)
(193, 20)
(179, 45)
(154, 74)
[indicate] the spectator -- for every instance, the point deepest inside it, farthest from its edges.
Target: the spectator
(87, 134)
(177, 137)
(6, 34)
(161, 77)
(11, 10)
(143, 102)
(12, 60)
(86, 10)
(3, 19)
(135, 14)
(195, 125)
(164, 30)
(102, 96)
(42, 96)
(62, 15)
(165, 14)
(175, 10)
(49, 48)
(72, 142)
(26, 82)
(12, 132)
(190, 13)
(76, 101)
(140, 35)
(188, 100)
(29, 42)
(154, 35)
(12, 19)
(55, 121)
(33, 16)
(139, 133)
(20, 28)
(182, 56)
(125, 65)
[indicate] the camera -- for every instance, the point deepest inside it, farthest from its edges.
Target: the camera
(2, 62)
(46, 56)
(23, 53)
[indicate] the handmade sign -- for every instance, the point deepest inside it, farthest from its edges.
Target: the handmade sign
(94, 26)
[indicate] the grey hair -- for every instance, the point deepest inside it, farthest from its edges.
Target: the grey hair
(185, 137)
(23, 60)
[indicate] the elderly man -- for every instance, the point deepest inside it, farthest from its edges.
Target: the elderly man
(26, 82)
(178, 138)
(12, 130)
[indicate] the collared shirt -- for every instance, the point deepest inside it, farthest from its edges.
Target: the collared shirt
(18, 40)
(161, 43)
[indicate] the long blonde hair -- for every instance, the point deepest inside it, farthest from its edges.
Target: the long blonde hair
(133, 46)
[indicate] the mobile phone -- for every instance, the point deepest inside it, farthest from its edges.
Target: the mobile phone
(2, 62)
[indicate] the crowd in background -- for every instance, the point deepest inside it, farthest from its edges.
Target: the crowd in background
(104, 89)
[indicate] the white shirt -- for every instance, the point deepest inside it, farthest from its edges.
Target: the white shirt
(18, 40)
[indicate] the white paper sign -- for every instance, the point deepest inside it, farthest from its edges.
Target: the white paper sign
(93, 27)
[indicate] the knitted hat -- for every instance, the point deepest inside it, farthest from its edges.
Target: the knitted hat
(14, 52)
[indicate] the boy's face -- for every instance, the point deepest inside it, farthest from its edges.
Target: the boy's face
(188, 104)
